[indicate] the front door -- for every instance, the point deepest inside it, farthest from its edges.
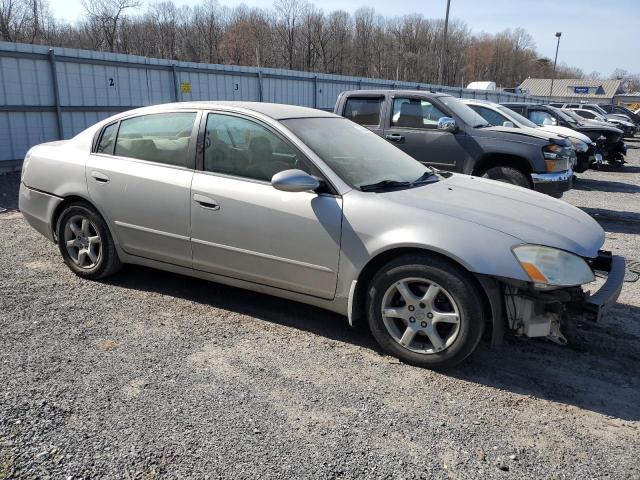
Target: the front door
(140, 176)
(243, 228)
(413, 128)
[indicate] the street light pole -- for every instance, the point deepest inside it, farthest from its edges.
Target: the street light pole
(444, 44)
(558, 35)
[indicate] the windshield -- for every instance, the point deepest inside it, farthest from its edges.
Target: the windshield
(569, 116)
(357, 155)
(519, 119)
(468, 115)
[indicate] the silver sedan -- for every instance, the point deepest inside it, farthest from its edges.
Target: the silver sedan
(309, 206)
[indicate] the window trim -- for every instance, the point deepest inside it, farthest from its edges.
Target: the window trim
(200, 149)
(98, 138)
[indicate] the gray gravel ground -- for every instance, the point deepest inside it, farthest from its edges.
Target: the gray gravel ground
(152, 375)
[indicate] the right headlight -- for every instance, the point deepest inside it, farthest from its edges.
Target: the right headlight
(551, 267)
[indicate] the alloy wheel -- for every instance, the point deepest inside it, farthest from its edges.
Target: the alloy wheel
(420, 315)
(82, 241)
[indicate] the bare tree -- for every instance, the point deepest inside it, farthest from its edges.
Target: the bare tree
(105, 16)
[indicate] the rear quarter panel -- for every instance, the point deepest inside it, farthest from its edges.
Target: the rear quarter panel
(58, 168)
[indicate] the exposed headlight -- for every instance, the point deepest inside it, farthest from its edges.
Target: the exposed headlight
(579, 145)
(556, 157)
(550, 267)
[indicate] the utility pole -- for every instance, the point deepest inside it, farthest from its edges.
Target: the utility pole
(558, 35)
(444, 44)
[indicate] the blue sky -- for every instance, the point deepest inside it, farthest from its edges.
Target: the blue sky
(597, 35)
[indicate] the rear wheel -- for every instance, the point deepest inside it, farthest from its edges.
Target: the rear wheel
(508, 175)
(85, 242)
(425, 311)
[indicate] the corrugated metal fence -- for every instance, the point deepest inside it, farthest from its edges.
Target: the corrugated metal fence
(52, 93)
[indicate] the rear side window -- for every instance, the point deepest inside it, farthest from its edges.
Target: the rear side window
(162, 138)
(108, 139)
(364, 111)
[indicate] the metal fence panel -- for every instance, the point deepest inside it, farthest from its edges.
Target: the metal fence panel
(37, 105)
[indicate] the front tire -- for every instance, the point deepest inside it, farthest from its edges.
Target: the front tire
(425, 311)
(85, 243)
(508, 175)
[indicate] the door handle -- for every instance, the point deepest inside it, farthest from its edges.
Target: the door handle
(100, 177)
(394, 137)
(206, 202)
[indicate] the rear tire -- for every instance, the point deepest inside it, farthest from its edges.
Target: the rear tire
(85, 243)
(426, 311)
(508, 175)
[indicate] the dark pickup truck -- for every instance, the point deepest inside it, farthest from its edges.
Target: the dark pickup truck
(441, 131)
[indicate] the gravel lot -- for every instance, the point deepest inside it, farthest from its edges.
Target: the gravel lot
(152, 375)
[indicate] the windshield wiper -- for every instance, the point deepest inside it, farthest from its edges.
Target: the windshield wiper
(384, 184)
(425, 176)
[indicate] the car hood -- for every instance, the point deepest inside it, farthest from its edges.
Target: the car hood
(529, 216)
(526, 132)
(566, 131)
(590, 125)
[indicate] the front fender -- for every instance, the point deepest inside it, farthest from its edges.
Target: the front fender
(478, 249)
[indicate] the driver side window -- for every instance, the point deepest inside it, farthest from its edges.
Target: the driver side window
(415, 113)
(243, 148)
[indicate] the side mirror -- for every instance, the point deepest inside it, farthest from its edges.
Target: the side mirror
(508, 124)
(294, 181)
(447, 124)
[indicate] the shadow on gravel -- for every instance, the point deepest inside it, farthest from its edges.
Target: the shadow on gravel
(589, 184)
(615, 221)
(527, 367)
(9, 187)
(260, 306)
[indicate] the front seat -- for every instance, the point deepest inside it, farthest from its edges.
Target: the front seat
(411, 115)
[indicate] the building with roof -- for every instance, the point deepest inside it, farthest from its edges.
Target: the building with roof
(573, 89)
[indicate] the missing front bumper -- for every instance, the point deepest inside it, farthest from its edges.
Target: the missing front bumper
(598, 304)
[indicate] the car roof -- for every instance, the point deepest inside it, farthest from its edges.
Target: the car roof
(276, 111)
(478, 101)
(396, 91)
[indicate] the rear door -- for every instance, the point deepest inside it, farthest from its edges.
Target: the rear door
(139, 175)
(412, 126)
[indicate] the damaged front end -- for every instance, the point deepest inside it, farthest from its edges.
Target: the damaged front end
(534, 312)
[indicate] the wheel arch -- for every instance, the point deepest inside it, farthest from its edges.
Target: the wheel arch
(69, 200)
(488, 287)
(491, 160)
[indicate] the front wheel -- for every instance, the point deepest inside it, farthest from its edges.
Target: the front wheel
(508, 175)
(85, 242)
(425, 311)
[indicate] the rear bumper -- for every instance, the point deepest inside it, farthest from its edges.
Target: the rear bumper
(597, 305)
(37, 208)
(554, 184)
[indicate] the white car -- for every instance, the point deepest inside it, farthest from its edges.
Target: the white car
(628, 127)
(497, 114)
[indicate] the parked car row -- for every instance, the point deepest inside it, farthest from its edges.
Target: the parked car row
(309, 206)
